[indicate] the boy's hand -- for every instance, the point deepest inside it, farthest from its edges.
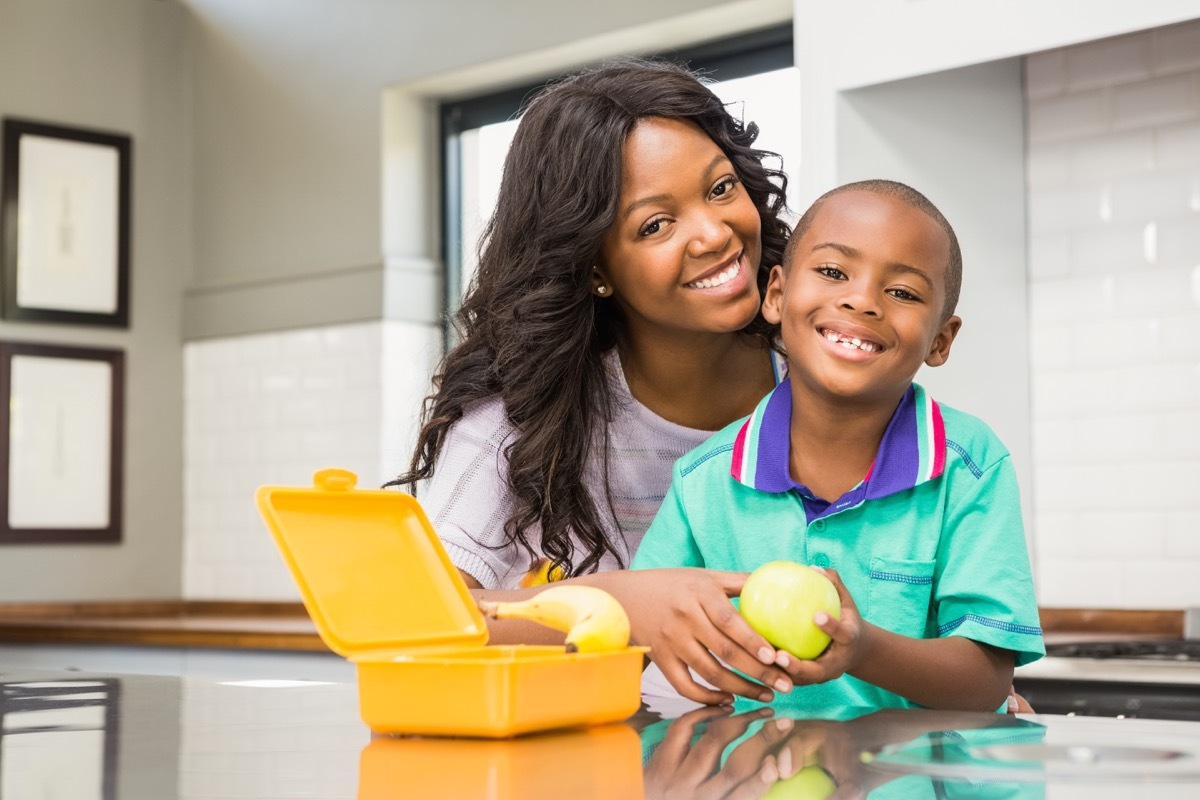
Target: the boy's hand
(844, 651)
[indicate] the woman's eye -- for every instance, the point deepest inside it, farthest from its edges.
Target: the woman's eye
(724, 187)
(652, 227)
(830, 272)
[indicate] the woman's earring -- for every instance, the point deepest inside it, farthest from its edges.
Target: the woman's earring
(602, 290)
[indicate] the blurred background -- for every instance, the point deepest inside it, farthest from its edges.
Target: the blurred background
(309, 177)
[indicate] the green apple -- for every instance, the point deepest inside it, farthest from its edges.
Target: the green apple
(810, 783)
(779, 600)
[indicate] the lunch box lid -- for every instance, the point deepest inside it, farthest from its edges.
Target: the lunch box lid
(370, 568)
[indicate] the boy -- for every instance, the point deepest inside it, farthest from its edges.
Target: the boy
(850, 466)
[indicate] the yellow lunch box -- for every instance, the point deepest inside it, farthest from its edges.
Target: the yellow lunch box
(383, 594)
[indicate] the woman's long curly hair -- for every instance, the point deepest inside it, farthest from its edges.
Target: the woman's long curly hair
(531, 330)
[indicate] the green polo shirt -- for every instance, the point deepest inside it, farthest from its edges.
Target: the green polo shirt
(929, 544)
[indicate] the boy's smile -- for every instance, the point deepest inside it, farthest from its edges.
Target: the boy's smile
(861, 304)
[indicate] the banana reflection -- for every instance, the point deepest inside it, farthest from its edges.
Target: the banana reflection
(712, 753)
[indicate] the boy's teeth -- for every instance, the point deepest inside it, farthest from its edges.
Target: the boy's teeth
(724, 276)
(850, 342)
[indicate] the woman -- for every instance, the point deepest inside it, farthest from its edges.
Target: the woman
(612, 326)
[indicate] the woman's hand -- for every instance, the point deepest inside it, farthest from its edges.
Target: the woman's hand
(687, 762)
(691, 760)
(684, 616)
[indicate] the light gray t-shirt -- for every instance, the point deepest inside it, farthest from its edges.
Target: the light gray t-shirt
(468, 499)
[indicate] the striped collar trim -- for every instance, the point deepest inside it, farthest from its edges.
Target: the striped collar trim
(913, 449)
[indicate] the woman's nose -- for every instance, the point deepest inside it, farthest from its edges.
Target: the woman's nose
(710, 234)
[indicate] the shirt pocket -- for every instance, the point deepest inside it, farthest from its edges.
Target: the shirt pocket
(899, 595)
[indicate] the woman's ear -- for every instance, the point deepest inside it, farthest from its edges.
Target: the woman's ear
(600, 285)
(939, 353)
(772, 307)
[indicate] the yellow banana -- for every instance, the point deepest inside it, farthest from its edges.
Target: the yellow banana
(593, 619)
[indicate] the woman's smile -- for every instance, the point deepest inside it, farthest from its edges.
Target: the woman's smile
(730, 277)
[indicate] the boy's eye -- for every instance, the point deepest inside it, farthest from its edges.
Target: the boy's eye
(903, 294)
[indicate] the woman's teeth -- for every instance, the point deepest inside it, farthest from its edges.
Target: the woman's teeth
(851, 342)
(724, 276)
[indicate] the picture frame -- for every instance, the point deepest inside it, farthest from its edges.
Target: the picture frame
(61, 443)
(65, 224)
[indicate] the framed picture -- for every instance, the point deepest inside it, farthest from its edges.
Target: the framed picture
(64, 205)
(61, 439)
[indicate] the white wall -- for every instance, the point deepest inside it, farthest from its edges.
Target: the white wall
(1114, 213)
(120, 66)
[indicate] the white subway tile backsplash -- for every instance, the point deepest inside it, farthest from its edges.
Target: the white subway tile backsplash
(1054, 211)
(1049, 167)
(1179, 247)
(1155, 102)
(1165, 197)
(1180, 338)
(1070, 583)
(1121, 437)
(1045, 73)
(1113, 248)
(1161, 290)
(1159, 583)
(1177, 47)
(1108, 61)
(1177, 146)
(1112, 155)
(1053, 439)
(272, 409)
(1181, 432)
(1049, 256)
(1056, 302)
(1183, 534)
(1079, 114)
(1115, 341)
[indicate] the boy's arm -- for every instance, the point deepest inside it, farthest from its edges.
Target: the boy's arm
(946, 673)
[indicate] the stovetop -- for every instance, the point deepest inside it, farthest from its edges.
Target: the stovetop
(1156, 650)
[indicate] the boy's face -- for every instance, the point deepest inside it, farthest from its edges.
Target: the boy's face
(861, 304)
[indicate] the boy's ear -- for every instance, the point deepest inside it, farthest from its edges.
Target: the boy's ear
(772, 307)
(939, 353)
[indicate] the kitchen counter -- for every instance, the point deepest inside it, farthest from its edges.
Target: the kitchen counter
(173, 623)
(107, 736)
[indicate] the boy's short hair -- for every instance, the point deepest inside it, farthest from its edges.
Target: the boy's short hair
(905, 194)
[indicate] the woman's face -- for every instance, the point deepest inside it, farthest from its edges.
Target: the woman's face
(683, 254)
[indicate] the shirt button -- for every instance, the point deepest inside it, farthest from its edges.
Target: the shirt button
(821, 560)
(819, 525)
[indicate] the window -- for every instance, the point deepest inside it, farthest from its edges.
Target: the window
(753, 73)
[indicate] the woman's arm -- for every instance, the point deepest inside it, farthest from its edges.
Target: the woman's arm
(684, 616)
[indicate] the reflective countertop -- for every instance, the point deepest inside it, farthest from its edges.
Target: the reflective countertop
(85, 735)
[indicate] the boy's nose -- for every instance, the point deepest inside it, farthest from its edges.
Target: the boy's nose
(860, 299)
